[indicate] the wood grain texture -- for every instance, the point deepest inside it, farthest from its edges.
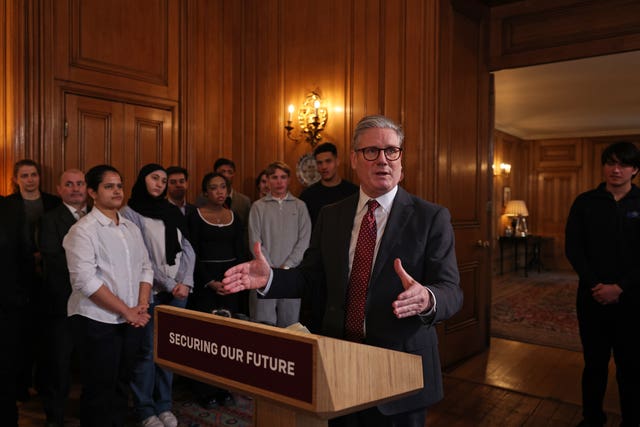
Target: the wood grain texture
(535, 32)
(346, 376)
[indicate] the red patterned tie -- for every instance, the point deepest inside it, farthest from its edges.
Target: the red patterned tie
(360, 272)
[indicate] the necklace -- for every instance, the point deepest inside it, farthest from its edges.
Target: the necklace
(217, 217)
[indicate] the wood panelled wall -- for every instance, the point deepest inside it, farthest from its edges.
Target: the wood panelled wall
(225, 71)
(8, 79)
(187, 81)
(548, 175)
(532, 32)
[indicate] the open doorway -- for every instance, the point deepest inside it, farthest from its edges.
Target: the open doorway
(551, 122)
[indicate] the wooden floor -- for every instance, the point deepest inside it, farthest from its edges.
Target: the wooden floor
(517, 384)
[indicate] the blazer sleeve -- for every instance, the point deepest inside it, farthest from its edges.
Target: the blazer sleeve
(441, 265)
(54, 261)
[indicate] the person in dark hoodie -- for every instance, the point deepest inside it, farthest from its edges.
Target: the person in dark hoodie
(602, 242)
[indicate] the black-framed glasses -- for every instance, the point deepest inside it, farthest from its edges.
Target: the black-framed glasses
(372, 153)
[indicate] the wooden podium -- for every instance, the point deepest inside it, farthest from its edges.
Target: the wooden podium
(297, 379)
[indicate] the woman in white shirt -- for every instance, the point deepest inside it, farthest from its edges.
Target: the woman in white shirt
(173, 260)
(111, 277)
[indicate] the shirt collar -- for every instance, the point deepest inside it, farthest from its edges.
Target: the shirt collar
(73, 210)
(385, 201)
(183, 204)
(105, 220)
(286, 197)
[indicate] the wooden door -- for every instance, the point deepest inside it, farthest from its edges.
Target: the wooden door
(464, 173)
(123, 135)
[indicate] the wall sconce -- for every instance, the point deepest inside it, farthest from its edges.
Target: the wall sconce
(504, 169)
(312, 118)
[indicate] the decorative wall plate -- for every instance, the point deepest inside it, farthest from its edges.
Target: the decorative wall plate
(306, 170)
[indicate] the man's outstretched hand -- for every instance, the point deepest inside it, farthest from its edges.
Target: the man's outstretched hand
(248, 275)
(415, 299)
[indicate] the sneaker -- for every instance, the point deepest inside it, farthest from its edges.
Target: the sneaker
(152, 421)
(168, 419)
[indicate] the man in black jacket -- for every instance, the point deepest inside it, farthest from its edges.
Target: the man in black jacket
(30, 203)
(603, 246)
(16, 266)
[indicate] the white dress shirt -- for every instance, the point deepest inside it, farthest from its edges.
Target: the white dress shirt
(74, 211)
(99, 252)
(381, 214)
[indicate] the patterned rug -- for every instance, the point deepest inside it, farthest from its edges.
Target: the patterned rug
(539, 309)
(190, 414)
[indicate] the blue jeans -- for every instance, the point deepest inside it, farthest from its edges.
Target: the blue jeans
(151, 384)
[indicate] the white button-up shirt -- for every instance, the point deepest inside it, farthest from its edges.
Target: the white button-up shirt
(99, 252)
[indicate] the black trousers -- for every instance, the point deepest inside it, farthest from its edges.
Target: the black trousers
(607, 330)
(10, 323)
(55, 363)
(107, 352)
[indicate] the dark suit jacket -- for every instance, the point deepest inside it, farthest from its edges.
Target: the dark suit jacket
(189, 208)
(54, 226)
(16, 261)
(49, 201)
(417, 232)
(16, 203)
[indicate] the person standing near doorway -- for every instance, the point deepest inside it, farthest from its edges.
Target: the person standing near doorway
(602, 243)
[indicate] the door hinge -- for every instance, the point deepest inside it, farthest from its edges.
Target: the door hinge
(66, 128)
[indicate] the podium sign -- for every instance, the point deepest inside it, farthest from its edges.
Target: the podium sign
(276, 364)
(298, 379)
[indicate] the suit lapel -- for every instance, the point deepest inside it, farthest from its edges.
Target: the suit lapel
(346, 217)
(401, 212)
(66, 217)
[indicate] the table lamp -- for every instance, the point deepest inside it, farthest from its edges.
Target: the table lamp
(517, 209)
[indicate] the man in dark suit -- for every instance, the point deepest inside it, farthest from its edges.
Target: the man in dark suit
(410, 273)
(177, 186)
(56, 290)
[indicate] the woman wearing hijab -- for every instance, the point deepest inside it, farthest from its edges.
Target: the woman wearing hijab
(163, 229)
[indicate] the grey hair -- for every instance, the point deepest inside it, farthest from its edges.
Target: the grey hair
(376, 121)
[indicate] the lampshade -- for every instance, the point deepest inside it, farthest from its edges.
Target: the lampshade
(516, 208)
